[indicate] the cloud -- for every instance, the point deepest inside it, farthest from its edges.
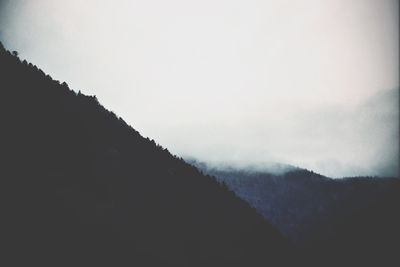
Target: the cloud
(243, 81)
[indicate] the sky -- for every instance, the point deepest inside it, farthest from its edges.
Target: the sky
(309, 83)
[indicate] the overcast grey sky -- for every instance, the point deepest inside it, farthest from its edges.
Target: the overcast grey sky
(313, 83)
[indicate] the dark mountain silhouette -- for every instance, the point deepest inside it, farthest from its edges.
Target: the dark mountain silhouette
(339, 222)
(80, 187)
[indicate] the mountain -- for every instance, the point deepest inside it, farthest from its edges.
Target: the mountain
(342, 222)
(80, 187)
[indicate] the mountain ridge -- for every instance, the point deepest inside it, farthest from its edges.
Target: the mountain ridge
(81, 187)
(351, 221)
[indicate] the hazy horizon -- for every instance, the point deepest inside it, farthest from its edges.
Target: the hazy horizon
(312, 84)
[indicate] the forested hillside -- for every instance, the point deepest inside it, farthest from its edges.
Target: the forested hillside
(80, 187)
(337, 222)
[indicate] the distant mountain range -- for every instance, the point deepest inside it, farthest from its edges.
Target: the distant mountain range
(351, 218)
(80, 187)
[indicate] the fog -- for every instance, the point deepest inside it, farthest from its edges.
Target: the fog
(309, 83)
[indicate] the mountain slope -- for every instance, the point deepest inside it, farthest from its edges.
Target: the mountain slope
(80, 187)
(341, 222)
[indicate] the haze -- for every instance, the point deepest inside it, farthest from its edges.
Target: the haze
(309, 83)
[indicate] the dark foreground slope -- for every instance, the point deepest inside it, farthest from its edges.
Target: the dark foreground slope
(339, 222)
(81, 187)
